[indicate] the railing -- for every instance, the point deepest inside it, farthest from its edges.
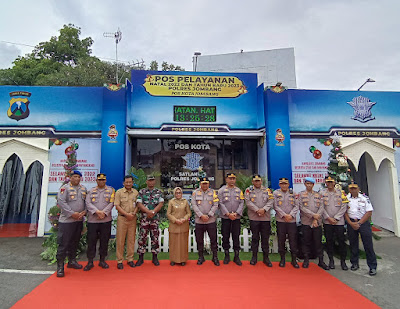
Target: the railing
(245, 242)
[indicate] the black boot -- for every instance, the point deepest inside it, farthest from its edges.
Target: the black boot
(103, 263)
(236, 258)
(283, 261)
(89, 265)
(266, 260)
(215, 259)
(331, 263)
(201, 258)
(60, 268)
(294, 261)
(140, 260)
(253, 260)
(343, 265)
(227, 258)
(74, 264)
(155, 259)
(306, 262)
(322, 264)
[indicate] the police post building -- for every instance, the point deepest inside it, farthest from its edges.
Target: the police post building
(183, 124)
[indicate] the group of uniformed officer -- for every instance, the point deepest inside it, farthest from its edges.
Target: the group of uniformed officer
(327, 208)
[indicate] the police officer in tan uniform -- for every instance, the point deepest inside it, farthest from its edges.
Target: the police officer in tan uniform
(335, 206)
(311, 211)
(71, 200)
(259, 202)
(125, 203)
(99, 203)
(286, 210)
(205, 204)
(231, 201)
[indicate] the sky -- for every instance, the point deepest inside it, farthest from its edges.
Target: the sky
(338, 44)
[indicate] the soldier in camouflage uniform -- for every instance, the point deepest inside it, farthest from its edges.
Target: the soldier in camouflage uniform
(150, 202)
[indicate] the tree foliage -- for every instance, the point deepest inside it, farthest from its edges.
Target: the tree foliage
(66, 60)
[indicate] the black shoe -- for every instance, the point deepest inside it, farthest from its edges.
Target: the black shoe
(120, 266)
(282, 262)
(306, 263)
(155, 260)
(183, 264)
(253, 260)
(343, 265)
(354, 267)
(227, 258)
(89, 266)
(60, 269)
(266, 260)
(331, 263)
(372, 272)
(294, 261)
(131, 264)
(215, 259)
(103, 264)
(172, 263)
(74, 264)
(200, 260)
(323, 265)
(236, 259)
(140, 260)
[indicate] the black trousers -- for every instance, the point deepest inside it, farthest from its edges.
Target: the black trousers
(366, 236)
(211, 229)
(260, 229)
(97, 231)
(68, 238)
(312, 238)
(229, 227)
(331, 231)
(289, 229)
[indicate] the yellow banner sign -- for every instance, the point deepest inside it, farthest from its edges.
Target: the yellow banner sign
(194, 86)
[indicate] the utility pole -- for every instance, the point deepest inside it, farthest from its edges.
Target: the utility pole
(117, 36)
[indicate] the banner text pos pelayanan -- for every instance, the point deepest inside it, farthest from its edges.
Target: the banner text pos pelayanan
(194, 86)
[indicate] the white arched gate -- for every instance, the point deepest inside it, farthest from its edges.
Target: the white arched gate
(382, 177)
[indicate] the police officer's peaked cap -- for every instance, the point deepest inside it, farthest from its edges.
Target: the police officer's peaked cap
(329, 179)
(204, 180)
(353, 185)
(309, 179)
(230, 175)
(283, 180)
(150, 177)
(76, 173)
(256, 177)
(101, 176)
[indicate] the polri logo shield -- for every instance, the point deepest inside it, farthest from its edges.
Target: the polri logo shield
(19, 105)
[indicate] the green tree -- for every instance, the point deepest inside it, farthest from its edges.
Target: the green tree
(65, 60)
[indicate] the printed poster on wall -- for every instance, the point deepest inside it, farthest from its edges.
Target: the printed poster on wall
(82, 154)
(66, 154)
(309, 159)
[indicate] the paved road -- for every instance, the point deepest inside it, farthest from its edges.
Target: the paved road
(23, 254)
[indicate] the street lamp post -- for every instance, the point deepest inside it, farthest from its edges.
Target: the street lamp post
(196, 55)
(369, 80)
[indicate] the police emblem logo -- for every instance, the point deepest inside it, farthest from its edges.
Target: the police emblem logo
(362, 109)
(192, 161)
(19, 105)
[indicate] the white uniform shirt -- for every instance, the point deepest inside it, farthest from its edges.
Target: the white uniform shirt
(358, 206)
